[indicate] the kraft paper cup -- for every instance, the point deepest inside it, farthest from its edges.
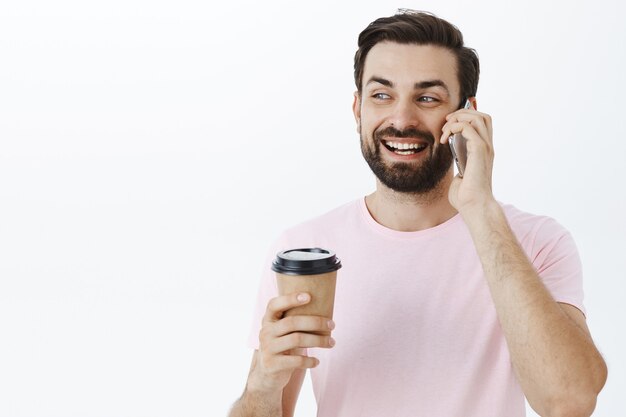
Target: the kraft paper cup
(310, 270)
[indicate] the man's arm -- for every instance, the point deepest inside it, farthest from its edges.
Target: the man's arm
(558, 367)
(560, 370)
(260, 404)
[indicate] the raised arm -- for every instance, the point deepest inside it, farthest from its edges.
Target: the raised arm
(559, 369)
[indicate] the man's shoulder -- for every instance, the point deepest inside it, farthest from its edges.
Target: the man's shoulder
(533, 227)
(522, 217)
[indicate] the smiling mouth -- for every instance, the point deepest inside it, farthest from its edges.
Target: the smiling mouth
(404, 148)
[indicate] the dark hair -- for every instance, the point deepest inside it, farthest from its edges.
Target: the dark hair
(422, 28)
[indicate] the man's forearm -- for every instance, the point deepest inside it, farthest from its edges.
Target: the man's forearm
(556, 361)
(253, 404)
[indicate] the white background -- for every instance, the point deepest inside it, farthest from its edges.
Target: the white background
(150, 151)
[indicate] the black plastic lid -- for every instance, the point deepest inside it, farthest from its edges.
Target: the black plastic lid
(307, 261)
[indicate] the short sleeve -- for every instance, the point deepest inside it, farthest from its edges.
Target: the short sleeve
(555, 257)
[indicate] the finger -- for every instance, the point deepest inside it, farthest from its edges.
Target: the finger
(479, 151)
(477, 122)
(299, 340)
(302, 362)
(278, 305)
(466, 111)
(288, 362)
(474, 117)
(464, 128)
(301, 324)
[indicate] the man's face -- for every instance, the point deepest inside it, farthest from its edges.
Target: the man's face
(407, 91)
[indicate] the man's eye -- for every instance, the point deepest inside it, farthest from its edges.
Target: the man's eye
(381, 96)
(427, 99)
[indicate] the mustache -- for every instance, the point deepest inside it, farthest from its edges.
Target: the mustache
(407, 133)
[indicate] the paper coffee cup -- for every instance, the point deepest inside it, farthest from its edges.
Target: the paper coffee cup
(310, 270)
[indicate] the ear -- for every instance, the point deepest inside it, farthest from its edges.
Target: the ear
(356, 110)
(474, 102)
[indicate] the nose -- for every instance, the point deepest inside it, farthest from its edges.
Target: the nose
(405, 115)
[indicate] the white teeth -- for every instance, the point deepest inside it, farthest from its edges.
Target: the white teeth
(405, 146)
(405, 152)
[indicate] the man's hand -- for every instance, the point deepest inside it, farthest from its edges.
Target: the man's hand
(474, 190)
(283, 340)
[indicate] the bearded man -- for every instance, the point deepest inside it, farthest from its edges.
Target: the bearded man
(449, 303)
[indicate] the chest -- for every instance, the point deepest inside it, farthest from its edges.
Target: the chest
(426, 299)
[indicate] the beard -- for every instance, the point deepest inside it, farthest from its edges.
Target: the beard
(402, 176)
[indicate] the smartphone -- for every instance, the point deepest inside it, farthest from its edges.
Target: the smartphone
(458, 146)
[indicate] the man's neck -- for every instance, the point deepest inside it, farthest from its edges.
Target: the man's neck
(409, 212)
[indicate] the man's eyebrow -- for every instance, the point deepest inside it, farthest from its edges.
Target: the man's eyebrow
(431, 83)
(418, 86)
(380, 80)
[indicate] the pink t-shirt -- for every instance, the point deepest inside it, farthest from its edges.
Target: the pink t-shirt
(416, 329)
